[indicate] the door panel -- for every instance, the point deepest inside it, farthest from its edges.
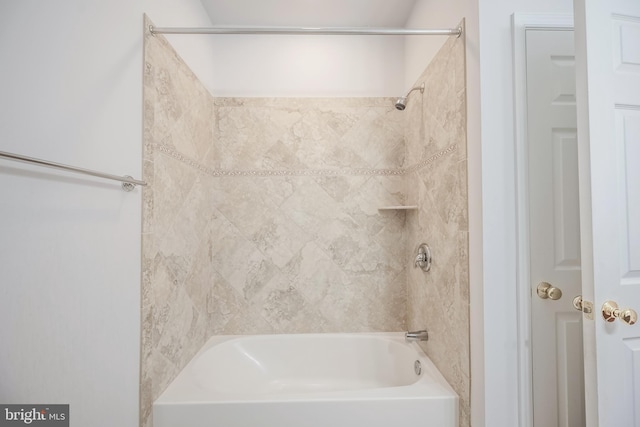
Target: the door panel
(554, 230)
(633, 353)
(608, 98)
(565, 198)
(627, 128)
(571, 369)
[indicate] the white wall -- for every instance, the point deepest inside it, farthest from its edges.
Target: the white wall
(300, 66)
(419, 50)
(499, 208)
(71, 85)
(308, 66)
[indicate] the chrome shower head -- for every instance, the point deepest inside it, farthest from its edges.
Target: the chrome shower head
(401, 103)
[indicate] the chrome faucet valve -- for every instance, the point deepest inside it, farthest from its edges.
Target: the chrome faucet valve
(423, 259)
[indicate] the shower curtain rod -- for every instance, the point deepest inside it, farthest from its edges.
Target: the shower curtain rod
(128, 183)
(338, 31)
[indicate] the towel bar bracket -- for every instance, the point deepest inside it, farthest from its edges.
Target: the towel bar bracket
(128, 186)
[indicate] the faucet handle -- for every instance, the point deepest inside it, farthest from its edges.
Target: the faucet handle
(423, 258)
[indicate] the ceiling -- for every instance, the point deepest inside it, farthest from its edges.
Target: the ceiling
(327, 13)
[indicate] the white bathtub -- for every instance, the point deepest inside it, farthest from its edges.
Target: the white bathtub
(309, 380)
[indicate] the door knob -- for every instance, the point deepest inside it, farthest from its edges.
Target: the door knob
(546, 291)
(611, 312)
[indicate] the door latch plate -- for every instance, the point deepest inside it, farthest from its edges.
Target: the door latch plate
(586, 307)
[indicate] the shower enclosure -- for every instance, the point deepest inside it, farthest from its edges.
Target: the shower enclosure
(280, 215)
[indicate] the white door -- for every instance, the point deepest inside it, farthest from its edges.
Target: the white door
(607, 35)
(554, 229)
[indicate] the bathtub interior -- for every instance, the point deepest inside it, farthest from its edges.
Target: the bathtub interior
(301, 363)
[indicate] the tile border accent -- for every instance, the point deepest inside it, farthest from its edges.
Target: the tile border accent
(218, 173)
(426, 162)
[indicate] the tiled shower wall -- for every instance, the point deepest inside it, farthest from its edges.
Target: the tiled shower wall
(261, 216)
(439, 300)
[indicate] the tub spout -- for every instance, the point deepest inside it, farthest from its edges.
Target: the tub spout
(422, 335)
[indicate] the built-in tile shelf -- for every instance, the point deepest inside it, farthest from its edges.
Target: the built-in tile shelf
(398, 208)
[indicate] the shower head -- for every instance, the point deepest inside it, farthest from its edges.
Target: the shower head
(401, 103)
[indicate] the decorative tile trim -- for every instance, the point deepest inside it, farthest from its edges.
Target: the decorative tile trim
(426, 162)
(171, 152)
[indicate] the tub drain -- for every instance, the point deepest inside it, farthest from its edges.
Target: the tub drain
(417, 366)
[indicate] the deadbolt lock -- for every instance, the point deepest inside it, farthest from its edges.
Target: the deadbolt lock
(547, 291)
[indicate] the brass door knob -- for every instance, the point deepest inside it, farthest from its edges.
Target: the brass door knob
(547, 291)
(611, 312)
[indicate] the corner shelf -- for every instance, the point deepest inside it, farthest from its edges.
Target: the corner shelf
(398, 208)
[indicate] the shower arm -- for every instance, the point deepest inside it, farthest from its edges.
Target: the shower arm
(420, 88)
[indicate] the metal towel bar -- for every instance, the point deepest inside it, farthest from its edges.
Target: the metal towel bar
(128, 183)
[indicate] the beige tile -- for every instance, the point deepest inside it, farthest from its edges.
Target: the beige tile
(278, 189)
(311, 208)
(244, 204)
(439, 299)
(285, 308)
(172, 182)
(279, 239)
(341, 188)
(313, 272)
(223, 303)
(192, 133)
(248, 322)
(376, 136)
